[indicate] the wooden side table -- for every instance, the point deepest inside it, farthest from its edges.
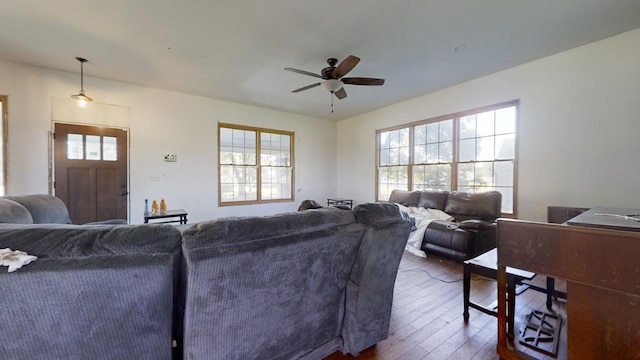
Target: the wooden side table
(487, 265)
(175, 216)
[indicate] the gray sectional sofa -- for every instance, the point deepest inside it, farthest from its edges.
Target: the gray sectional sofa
(291, 286)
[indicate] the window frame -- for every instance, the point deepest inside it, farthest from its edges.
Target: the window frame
(5, 133)
(259, 167)
(456, 149)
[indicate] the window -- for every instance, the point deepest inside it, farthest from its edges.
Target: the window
(92, 147)
(255, 165)
(469, 151)
(3, 147)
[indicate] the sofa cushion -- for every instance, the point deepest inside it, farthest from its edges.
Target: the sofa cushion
(44, 209)
(433, 199)
(481, 205)
(406, 198)
(12, 212)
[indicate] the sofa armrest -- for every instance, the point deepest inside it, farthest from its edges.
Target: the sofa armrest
(478, 225)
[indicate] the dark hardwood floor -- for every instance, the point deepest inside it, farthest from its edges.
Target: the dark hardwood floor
(426, 319)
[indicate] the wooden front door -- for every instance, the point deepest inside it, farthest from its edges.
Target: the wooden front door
(90, 165)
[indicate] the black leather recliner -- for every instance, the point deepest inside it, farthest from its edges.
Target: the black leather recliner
(473, 230)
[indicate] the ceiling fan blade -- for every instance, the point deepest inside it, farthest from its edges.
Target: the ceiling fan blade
(340, 94)
(306, 87)
(362, 81)
(303, 72)
(345, 66)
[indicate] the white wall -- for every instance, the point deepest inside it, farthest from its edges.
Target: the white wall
(578, 131)
(160, 121)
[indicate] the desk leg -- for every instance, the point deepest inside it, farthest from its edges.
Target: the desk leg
(511, 304)
(551, 289)
(466, 290)
(502, 307)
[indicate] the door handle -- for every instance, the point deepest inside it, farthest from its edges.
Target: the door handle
(124, 193)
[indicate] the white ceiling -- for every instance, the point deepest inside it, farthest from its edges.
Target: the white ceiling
(237, 50)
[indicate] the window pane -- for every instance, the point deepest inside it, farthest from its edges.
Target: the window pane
(420, 135)
(384, 157)
(446, 130)
(93, 147)
(432, 153)
(467, 127)
(485, 148)
(485, 123)
(392, 177)
(75, 147)
(506, 120)
(503, 173)
(444, 177)
(433, 132)
(506, 146)
(237, 183)
(507, 199)
(274, 149)
(109, 148)
(483, 180)
(467, 151)
(384, 140)
(420, 154)
(466, 174)
(445, 153)
(226, 137)
(276, 183)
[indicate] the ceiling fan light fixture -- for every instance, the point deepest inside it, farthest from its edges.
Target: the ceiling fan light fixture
(332, 85)
(81, 97)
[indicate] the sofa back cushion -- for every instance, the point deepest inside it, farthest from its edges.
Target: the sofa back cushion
(13, 213)
(94, 292)
(406, 198)
(272, 287)
(481, 205)
(371, 282)
(433, 199)
(44, 209)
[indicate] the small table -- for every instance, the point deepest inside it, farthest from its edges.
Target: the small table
(487, 265)
(340, 201)
(179, 215)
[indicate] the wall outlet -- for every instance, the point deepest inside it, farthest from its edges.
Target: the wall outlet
(170, 157)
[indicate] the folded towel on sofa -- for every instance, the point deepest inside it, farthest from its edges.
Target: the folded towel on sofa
(15, 259)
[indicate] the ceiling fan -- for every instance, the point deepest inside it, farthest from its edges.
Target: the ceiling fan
(333, 79)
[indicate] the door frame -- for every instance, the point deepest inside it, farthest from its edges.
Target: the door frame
(127, 130)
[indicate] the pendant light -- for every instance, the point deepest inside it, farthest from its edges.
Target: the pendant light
(81, 97)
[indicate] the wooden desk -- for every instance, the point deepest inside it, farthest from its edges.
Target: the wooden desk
(602, 270)
(608, 218)
(177, 215)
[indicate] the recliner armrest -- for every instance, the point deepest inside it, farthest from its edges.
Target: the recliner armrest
(479, 225)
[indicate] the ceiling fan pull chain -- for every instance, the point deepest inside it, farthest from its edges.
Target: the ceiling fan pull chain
(331, 102)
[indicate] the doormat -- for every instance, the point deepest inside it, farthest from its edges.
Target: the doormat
(541, 332)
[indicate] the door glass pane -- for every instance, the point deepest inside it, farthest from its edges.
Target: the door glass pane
(75, 148)
(109, 148)
(93, 147)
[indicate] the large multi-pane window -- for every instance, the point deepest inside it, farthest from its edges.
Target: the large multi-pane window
(3, 145)
(469, 151)
(255, 165)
